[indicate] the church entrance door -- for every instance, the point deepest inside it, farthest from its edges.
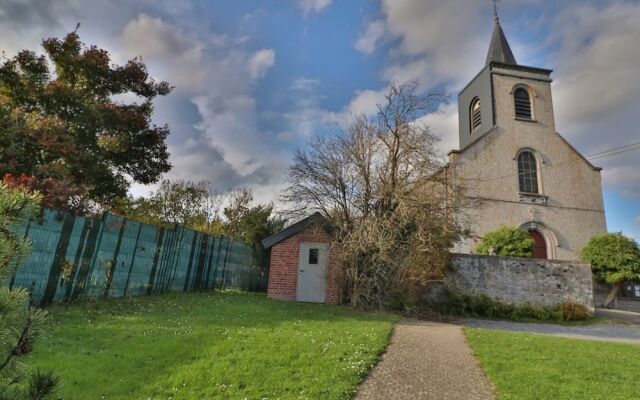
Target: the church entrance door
(539, 245)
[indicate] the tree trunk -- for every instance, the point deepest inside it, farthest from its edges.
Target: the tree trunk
(613, 294)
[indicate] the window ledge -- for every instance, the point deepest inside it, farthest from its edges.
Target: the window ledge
(533, 198)
(525, 119)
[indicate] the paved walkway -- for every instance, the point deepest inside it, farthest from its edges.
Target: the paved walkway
(623, 333)
(427, 360)
(626, 317)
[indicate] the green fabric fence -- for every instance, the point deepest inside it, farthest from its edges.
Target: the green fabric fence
(75, 257)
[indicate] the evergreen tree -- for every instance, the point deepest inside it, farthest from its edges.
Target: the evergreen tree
(19, 323)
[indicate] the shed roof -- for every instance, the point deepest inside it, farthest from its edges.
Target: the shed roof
(315, 218)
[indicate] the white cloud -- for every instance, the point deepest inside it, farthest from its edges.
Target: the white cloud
(217, 75)
(304, 84)
(442, 45)
(260, 62)
(596, 59)
(438, 41)
(365, 102)
(309, 6)
(373, 33)
(596, 86)
(211, 112)
(172, 54)
(444, 124)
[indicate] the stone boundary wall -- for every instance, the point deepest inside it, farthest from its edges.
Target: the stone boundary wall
(523, 280)
(601, 291)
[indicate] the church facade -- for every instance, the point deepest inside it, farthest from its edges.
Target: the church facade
(520, 169)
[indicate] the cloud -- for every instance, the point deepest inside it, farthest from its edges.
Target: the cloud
(373, 33)
(26, 23)
(176, 55)
(436, 41)
(591, 45)
(260, 62)
(216, 75)
(596, 88)
(304, 84)
(443, 123)
(309, 6)
(365, 102)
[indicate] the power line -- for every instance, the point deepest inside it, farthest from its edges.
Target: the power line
(614, 149)
(602, 154)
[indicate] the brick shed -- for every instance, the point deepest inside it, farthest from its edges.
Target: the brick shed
(302, 267)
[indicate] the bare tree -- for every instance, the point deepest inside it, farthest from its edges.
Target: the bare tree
(382, 184)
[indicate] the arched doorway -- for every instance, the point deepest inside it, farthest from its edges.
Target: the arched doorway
(539, 245)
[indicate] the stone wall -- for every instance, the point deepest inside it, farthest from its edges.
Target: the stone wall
(523, 280)
(600, 293)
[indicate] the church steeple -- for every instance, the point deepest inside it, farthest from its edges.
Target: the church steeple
(503, 93)
(499, 50)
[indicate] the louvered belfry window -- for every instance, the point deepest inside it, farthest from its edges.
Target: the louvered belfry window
(476, 116)
(527, 172)
(522, 103)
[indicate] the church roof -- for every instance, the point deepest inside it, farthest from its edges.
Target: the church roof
(499, 50)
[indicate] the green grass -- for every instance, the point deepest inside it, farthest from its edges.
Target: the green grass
(527, 366)
(227, 345)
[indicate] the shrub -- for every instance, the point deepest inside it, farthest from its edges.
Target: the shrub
(574, 312)
(507, 241)
(481, 305)
(614, 259)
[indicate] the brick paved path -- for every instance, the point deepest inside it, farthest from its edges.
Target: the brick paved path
(427, 360)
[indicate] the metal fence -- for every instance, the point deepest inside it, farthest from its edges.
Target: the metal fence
(76, 257)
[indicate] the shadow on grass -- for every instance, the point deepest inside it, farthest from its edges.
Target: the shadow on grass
(239, 344)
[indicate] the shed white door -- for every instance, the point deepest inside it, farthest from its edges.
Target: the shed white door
(312, 272)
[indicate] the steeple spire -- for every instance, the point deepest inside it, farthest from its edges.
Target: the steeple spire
(499, 50)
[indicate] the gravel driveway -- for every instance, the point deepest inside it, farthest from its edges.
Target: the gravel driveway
(604, 332)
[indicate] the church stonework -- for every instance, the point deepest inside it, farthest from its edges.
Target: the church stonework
(513, 161)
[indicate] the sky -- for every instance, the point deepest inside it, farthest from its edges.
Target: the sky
(254, 79)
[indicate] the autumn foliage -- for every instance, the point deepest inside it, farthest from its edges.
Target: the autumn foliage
(65, 133)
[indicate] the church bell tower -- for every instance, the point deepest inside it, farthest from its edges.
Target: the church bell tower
(504, 94)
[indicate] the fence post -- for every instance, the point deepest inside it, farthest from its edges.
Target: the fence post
(133, 259)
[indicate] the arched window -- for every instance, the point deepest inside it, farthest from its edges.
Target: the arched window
(522, 103)
(474, 114)
(527, 172)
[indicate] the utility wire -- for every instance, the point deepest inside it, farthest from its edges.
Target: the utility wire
(595, 156)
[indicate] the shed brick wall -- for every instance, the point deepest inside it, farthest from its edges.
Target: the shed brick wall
(283, 269)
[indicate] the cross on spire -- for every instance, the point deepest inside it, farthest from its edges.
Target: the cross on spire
(495, 9)
(499, 50)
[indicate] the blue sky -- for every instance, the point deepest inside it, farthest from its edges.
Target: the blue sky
(255, 78)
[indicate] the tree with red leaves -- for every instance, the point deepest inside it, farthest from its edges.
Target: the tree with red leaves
(64, 133)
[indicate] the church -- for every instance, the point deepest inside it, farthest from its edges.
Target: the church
(512, 160)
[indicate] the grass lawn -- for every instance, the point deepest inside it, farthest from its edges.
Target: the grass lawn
(527, 366)
(216, 345)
